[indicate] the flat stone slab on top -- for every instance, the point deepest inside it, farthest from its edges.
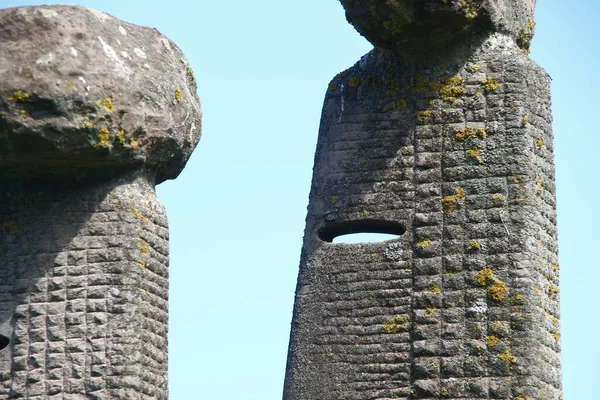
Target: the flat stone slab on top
(83, 91)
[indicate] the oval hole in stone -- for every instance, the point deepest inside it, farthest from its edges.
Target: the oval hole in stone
(361, 231)
(4, 341)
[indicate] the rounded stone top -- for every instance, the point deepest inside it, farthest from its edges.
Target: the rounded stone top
(423, 25)
(84, 91)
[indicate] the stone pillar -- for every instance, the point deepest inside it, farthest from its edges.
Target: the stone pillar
(94, 112)
(441, 135)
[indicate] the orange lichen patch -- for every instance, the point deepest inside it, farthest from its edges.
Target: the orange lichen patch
(449, 202)
(484, 277)
(497, 291)
(491, 341)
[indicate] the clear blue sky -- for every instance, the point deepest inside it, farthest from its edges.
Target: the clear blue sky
(237, 211)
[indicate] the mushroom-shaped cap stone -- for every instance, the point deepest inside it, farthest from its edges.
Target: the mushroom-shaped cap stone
(414, 24)
(84, 91)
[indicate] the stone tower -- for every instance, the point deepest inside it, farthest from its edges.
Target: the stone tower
(442, 136)
(94, 112)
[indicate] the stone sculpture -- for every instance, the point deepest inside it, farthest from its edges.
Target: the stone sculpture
(94, 112)
(442, 136)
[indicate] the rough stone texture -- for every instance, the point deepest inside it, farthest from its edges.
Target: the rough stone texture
(454, 153)
(93, 113)
(80, 87)
(420, 25)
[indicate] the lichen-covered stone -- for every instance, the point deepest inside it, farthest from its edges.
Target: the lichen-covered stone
(454, 150)
(93, 113)
(426, 25)
(85, 93)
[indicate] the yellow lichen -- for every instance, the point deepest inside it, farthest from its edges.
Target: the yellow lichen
(143, 264)
(497, 291)
(540, 185)
(10, 227)
(424, 242)
(474, 245)
(490, 84)
(333, 200)
(524, 120)
(556, 336)
(332, 87)
(474, 68)
(508, 358)
(190, 73)
(108, 105)
(484, 277)
(552, 291)
(435, 289)
(19, 95)
(103, 137)
(178, 94)
(423, 115)
(86, 123)
(491, 341)
(539, 143)
(449, 202)
(143, 247)
(120, 136)
(366, 213)
(393, 325)
(497, 196)
(555, 267)
(401, 104)
(474, 154)
(430, 310)
(469, 133)
(354, 82)
(451, 88)
(133, 143)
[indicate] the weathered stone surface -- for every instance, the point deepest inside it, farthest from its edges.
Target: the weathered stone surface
(82, 91)
(454, 154)
(93, 113)
(424, 26)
